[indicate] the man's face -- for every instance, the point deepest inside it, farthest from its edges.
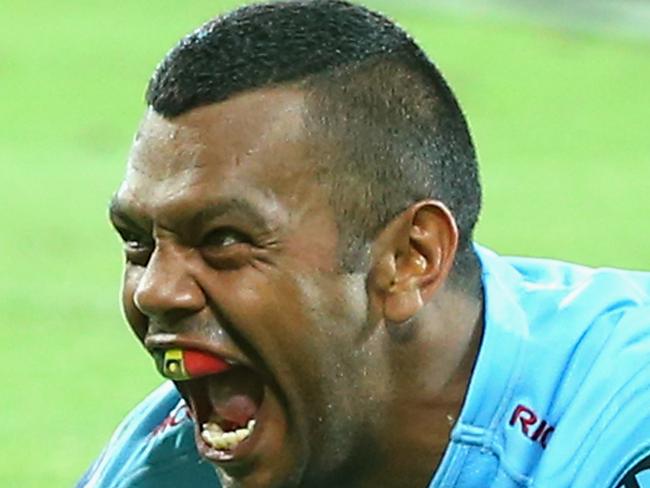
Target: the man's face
(231, 249)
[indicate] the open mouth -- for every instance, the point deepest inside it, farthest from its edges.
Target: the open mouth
(226, 408)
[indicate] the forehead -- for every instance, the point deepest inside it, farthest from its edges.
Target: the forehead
(251, 147)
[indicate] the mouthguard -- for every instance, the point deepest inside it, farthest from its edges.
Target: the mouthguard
(185, 364)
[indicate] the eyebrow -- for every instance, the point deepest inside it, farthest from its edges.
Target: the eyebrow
(235, 205)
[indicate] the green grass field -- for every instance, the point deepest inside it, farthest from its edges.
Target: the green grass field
(560, 121)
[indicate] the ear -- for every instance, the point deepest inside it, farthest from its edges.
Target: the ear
(412, 258)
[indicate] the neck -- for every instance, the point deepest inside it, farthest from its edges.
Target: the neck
(433, 375)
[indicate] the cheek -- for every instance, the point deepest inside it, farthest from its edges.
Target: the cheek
(261, 304)
(269, 311)
(303, 326)
(134, 317)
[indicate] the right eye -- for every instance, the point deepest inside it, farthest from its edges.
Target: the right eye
(137, 248)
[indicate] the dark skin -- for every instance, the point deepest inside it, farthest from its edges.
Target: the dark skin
(232, 246)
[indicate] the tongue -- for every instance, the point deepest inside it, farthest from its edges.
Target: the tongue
(236, 411)
(235, 397)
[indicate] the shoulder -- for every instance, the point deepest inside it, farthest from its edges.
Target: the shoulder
(577, 415)
(153, 446)
(597, 328)
(582, 324)
(603, 428)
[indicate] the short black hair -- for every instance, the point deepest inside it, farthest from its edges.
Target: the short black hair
(397, 134)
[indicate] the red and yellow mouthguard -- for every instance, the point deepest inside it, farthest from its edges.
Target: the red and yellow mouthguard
(186, 364)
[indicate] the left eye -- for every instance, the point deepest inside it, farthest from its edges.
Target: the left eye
(225, 237)
(227, 248)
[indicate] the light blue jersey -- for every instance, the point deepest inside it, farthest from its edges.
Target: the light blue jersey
(559, 398)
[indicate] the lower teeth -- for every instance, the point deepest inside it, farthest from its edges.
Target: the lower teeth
(214, 435)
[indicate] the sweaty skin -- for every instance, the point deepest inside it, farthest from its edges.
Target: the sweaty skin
(232, 248)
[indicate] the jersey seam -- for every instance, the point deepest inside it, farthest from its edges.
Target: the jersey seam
(613, 396)
(602, 430)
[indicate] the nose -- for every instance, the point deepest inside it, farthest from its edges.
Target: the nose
(167, 290)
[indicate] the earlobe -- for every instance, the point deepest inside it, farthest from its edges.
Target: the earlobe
(403, 305)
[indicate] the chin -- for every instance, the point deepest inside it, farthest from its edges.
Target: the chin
(258, 478)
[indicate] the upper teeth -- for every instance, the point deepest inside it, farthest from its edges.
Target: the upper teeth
(214, 435)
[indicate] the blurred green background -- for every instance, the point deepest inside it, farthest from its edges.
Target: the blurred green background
(560, 118)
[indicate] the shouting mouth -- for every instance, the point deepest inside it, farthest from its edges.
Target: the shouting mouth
(225, 400)
(225, 407)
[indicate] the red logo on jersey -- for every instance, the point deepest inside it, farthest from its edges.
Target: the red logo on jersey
(536, 429)
(172, 420)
